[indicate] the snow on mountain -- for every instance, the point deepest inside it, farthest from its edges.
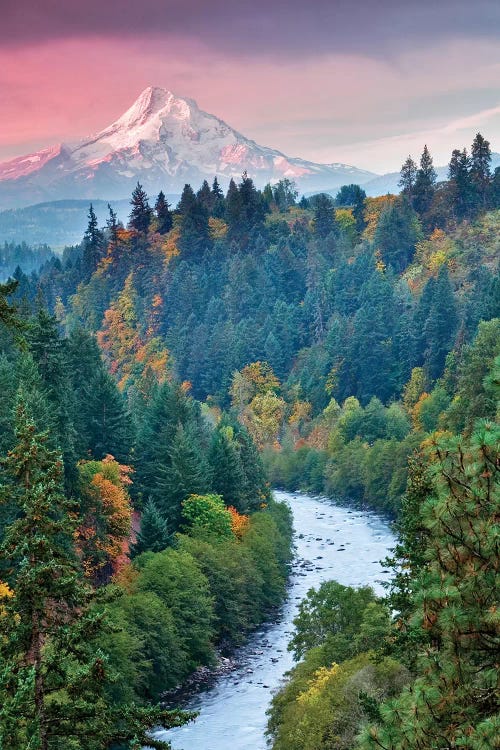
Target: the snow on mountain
(164, 141)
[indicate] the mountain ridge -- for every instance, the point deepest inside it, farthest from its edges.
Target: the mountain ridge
(163, 141)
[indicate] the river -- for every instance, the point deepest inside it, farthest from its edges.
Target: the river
(331, 542)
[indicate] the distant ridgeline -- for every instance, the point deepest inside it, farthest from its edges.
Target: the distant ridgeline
(28, 258)
(338, 331)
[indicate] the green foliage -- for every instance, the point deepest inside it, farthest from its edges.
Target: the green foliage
(339, 683)
(153, 535)
(207, 513)
(331, 617)
(397, 234)
(176, 579)
(141, 213)
(453, 700)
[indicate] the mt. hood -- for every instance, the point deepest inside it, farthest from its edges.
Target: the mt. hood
(163, 141)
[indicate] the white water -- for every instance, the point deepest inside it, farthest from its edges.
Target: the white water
(341, 544)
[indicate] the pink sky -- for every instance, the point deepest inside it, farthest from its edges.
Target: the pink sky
(362, 104)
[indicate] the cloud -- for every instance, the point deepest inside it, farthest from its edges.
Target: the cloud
(290, 28)
(340, 106)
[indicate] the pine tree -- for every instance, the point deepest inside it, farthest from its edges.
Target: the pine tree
(425, 181)
(153, 535)
(163, 214)
(141, 214)
(454, 700)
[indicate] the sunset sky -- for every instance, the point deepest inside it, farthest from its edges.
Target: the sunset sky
(363, 82)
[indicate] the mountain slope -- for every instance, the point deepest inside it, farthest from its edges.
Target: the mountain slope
(164, 141)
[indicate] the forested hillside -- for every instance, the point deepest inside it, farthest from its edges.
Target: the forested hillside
(152, 375)
(337, 331)
(138, 540)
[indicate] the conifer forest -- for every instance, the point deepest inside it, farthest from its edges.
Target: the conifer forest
(167, 380)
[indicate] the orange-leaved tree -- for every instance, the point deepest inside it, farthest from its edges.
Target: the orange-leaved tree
(106, 513)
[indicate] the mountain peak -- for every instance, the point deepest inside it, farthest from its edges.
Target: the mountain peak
(149, 102)
(164, 141)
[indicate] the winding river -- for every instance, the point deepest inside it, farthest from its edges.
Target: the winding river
(332, 542)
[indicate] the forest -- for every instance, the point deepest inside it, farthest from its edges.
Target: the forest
(158, 379)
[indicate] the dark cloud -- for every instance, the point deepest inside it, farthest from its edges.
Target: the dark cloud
(254, 27)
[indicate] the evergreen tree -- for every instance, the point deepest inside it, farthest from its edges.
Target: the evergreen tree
(50, 353)
(398, 231)
(185, 473)
(141, 214)
(441, 325)
(195, 237)
(454, 699)
(480, 170)
(163, 214)
(205, 196)
(228, 474)
(93, 244)
(53, 674)
(8, 315)
(425, 181)
(460, 183)
(407, 179)
(52, 679)
(153, 535)
(113, 226)
(324, 219)
(108, 427)
(218, 203)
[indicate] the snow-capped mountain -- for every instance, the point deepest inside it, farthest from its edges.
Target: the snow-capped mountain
(164, 141)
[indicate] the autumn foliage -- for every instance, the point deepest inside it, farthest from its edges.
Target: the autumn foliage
(106, 516)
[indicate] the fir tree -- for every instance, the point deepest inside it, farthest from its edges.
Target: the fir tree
(50, 353)
(53, 675)
(195, 238)
(163, 214)
(408, 176)
(441, 325)
(186, 473)
(324, 220)
(228, 474)
(480, 169)
(52, 678)
(425, 181)
(113, 226)
(93, 244)
(460, 183)
(153, 535)
(141, 214)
